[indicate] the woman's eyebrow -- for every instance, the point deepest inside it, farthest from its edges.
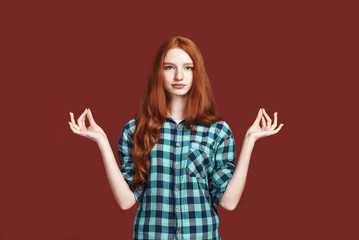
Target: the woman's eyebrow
(174, 64)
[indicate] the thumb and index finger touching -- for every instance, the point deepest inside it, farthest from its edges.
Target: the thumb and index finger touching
(81, 119)
(90, 116)
(87, 113)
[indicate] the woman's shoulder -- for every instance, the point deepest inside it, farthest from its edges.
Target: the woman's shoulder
(222, 125)
(130, 127)
(220, 129)
(223, 129)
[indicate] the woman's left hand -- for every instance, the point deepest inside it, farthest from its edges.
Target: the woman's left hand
(256, 131)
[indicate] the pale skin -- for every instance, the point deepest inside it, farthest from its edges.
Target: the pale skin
(235, 187)
(121, 191)
(179, 72)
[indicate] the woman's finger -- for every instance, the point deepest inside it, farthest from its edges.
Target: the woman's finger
(74, 125)
(74, 130)
(269, 133)
(90, 117)
(84, 118)
(269, 121)
(275, 121)
(280, 126)
(80, 120)
(259, 115)
(263, 122)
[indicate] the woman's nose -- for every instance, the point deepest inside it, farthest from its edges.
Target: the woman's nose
(179, 75)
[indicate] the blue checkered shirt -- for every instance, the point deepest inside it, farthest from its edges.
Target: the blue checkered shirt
(189, 175)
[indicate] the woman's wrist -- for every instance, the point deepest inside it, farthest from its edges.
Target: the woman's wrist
(102, 139)
(249, 138)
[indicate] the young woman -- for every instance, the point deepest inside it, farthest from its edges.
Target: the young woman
(177, 155)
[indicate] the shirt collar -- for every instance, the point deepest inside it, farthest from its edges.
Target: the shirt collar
(171, 119)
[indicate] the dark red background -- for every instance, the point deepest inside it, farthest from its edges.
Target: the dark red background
(299, 58)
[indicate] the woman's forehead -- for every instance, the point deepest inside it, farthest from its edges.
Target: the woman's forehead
(177, 55)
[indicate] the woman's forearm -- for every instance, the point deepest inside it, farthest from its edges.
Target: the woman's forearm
(120, 189)
(235, 187)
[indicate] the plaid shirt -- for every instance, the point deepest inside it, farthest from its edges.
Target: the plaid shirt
(189, 175)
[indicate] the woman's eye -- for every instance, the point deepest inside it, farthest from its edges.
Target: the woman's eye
(189, 68)
(168, 67)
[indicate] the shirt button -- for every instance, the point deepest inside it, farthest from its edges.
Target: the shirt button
(179, 127)
(177, 232)
(177, 144)
(176, 188)
(176, 209)
(176, 167)
(202, 146)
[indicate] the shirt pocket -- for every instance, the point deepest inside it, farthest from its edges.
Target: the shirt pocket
(198, 161)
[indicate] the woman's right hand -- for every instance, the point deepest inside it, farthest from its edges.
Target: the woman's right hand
(93, 132)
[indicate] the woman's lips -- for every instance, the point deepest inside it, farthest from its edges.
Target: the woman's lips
(178, 86)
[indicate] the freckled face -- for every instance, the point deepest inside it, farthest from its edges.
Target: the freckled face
(178, 72)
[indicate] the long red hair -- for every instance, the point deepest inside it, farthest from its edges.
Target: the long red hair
(152, 113)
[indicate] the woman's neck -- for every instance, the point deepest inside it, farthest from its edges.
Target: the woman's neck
(176, 107)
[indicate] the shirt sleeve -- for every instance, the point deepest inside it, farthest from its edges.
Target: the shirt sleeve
(125, 155)
(224, 157)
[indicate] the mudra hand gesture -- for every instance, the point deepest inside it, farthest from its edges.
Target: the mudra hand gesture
(93, 131)
(256, 131)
